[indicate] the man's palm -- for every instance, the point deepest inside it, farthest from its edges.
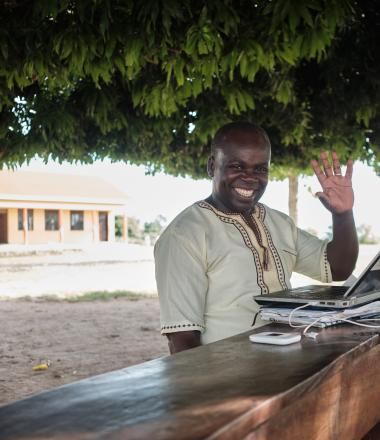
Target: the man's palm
(337, 194)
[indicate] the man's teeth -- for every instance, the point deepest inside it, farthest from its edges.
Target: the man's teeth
(244, 192)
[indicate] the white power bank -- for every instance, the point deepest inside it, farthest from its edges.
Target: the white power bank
(276, 338)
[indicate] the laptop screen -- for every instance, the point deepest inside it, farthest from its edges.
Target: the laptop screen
(370, 282)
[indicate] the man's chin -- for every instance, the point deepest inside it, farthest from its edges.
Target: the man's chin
(245, 206)
(236, 204)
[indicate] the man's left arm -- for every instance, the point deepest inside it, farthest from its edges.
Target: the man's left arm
(338, 197)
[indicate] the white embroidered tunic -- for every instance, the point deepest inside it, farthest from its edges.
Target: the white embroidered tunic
(209, 265)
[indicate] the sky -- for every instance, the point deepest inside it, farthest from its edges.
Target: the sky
(150, 196)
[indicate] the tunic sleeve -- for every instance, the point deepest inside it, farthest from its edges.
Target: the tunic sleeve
(312, 257)
(180, 265)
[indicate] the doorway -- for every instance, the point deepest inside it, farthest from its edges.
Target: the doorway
(103, 226)
(3, 227)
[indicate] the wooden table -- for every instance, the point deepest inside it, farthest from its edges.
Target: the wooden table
(327, 388)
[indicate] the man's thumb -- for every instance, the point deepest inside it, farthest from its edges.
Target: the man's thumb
(323, 198)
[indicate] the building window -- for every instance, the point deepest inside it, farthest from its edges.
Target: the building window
(51, 220)
(76, 220)
(20, 219)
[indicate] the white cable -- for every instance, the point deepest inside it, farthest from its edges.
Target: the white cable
(308, 326)
(359, 324)
(349, 321)
(313, 303)
(294, 310)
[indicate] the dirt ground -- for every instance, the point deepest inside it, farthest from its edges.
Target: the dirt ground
(47, 271)
(79, 340)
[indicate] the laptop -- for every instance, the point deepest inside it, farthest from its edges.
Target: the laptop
(364, 290)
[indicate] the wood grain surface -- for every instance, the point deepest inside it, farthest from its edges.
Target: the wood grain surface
(326, 388)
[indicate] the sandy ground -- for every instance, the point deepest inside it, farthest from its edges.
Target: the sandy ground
(63, 272)
(79, 339)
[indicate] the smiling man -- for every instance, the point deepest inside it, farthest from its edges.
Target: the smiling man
(220, 252)
(239, 172)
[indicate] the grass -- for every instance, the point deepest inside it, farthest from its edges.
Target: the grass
(106, 296)
(101, 295)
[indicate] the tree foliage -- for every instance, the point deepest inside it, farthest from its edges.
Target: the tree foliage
(153, 229)
(150, 82)
(134, 228)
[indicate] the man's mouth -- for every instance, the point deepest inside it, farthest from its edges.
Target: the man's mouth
(246, 193)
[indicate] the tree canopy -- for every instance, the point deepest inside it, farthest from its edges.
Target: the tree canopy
(150, 82)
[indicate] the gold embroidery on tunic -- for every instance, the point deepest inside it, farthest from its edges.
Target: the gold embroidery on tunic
(269, 269)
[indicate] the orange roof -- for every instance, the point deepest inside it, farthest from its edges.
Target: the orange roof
(26, 185)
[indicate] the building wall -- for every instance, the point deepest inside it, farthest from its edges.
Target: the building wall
(65, 235)
(85, 236)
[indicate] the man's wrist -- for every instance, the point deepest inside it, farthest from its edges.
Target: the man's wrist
(341, 216)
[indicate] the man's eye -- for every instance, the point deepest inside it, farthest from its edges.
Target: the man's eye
(262, 170)
(236, 166)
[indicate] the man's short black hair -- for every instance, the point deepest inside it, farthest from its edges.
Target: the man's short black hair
(225, 130)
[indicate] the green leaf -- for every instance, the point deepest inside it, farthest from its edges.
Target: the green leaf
(4, 49)
(294, 19)
(243, 65)
(202, 47)
(305, 14)
(119, 63)
(178, 71)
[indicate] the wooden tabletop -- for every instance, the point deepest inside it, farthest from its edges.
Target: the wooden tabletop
(323, 388)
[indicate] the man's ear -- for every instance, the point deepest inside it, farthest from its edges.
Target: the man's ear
(211, 166)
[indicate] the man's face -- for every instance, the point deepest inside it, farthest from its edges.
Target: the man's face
(239, 171)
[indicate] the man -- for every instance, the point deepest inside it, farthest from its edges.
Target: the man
(220, 252)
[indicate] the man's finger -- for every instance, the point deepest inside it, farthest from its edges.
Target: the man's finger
(336, 164)
(326, 164)
(318, 172)
(349, 169)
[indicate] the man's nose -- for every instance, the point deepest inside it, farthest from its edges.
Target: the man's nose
(249, 174)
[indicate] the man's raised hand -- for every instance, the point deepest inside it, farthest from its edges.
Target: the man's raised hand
(337, 194)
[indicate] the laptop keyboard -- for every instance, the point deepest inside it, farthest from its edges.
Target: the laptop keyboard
(324, 293)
